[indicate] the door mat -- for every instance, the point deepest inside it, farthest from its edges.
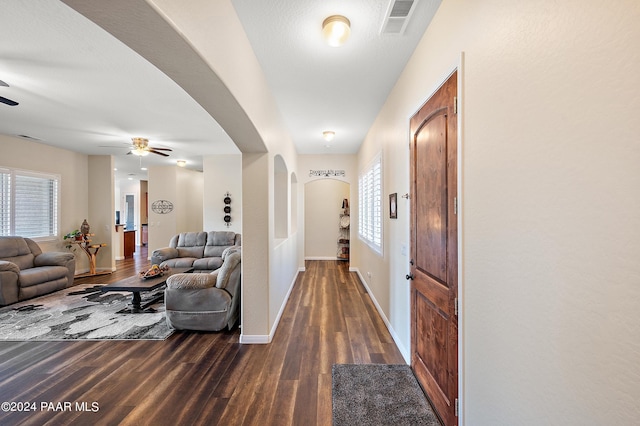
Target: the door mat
(378, 394)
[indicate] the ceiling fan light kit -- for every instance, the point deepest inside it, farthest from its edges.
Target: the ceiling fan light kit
(336, 30)
(141, 148)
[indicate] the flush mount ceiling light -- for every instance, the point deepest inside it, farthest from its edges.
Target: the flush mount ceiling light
(328, 135)
(336, 30)
(181, 163)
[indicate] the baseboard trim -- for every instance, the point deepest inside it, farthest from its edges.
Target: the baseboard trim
(266, 339)
(405, 353)
(321, 258)
(256, 339)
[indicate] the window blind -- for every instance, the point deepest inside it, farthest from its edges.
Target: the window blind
(370, 205)
(29, 204)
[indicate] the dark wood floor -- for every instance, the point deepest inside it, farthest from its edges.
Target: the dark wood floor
(205, 378)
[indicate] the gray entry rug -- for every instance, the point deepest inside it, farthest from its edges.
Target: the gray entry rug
(81, 312)
(378, 394)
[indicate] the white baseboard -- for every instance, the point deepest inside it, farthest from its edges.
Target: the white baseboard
(257, 339)
(262, 339)
(405, 353)
(321, 258)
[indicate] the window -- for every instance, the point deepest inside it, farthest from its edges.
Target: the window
(28, 204)
(370, 204)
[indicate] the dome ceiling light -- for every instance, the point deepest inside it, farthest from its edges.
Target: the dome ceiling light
(336, 30)
(328, 135)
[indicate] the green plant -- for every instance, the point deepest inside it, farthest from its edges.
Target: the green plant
(71, 236)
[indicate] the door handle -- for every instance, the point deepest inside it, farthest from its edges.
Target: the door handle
(409, 276)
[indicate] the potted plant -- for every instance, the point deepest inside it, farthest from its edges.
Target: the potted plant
(73, 235)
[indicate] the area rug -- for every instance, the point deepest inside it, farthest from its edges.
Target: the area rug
(81, 312)
(378, 394)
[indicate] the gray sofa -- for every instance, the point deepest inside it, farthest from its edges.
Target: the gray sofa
(205, 301)
(26, 272)
(201, 251)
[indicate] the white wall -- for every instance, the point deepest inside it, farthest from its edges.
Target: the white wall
(74, 189)
(181, 187)
(222, 174)
(163, 185)
(101, 208)
(322, 207)
(190, 200)
(549, 327)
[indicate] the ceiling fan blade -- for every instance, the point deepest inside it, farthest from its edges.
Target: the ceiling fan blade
(2, 83)
(158, 152)
(8, 101)
(160, 149)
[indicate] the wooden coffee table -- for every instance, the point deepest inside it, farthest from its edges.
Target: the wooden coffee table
(136, 285)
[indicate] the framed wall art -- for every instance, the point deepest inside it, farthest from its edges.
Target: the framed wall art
(393, 205)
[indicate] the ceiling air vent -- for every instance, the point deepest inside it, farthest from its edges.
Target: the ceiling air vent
(397, 16)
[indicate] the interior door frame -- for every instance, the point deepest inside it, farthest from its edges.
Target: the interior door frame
(460, 68)
(460, 220)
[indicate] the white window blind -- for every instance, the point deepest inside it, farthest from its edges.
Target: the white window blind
(28, 204)
(370, 204)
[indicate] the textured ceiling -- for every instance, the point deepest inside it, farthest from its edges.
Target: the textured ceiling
(81, 89)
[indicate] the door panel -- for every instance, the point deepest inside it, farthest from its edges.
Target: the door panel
(434, 266)
(431, 206)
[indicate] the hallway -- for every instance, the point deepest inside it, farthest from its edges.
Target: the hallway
(208, 378)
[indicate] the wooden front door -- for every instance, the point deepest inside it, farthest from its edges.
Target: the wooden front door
(434, 250)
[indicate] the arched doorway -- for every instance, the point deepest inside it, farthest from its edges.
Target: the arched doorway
(323, 214)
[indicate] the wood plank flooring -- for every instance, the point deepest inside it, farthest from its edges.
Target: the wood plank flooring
(196, 378)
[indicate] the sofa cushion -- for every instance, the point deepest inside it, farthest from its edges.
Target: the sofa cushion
(217, 241)
(190, 281)
(42, 274)
(179, 262)
(191, 244)
(192, 239)
(207, 263)
(16, 250)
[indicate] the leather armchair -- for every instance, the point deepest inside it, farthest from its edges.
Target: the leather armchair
(205, 301)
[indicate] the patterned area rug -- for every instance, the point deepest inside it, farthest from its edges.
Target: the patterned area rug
(82, 312)
(378, 394)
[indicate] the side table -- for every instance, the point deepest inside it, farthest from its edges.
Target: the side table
(91, 250)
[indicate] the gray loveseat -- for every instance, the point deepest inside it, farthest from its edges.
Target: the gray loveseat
(205, 301)
(201, 251)
(26, 272)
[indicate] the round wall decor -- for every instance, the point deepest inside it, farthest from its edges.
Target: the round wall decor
(162, 206)
(227, 209)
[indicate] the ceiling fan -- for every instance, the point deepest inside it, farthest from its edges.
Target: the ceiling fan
(141, 148)
(6, 100)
